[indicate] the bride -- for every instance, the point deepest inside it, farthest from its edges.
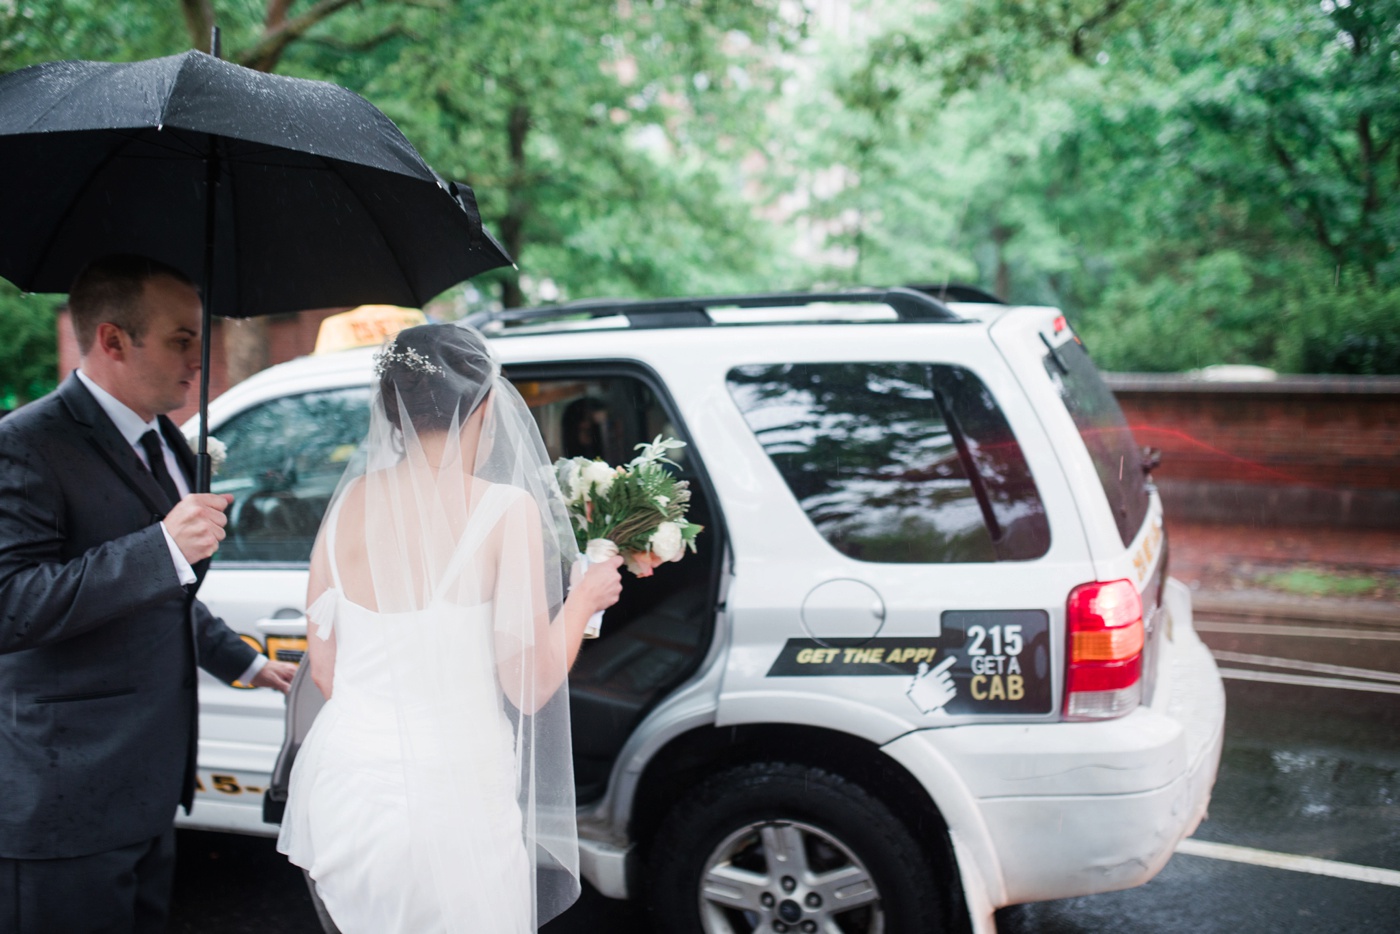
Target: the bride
(434, 792)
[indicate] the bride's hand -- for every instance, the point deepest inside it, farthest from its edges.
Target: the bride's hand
(600, 587)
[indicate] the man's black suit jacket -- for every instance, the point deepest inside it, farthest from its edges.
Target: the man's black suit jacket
(98, 639)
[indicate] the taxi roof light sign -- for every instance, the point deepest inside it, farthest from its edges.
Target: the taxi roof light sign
(365, 326)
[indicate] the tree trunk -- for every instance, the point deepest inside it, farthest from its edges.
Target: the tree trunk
(245, 347)
(1001, 235)
(199, 20)
(1003, 286)
(513, 223)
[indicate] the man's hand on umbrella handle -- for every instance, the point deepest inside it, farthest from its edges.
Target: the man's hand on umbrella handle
(197, 524)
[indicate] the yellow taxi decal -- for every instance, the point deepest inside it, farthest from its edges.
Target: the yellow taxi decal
(365, 326)
(257, 647)
(1146, 552)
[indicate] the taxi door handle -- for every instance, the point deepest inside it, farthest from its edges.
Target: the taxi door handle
(294, 627)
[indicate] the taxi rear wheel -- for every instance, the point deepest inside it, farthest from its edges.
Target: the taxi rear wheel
(789, 848)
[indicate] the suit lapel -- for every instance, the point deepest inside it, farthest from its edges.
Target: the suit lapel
(109, 443)
(183, 455)
(113, 448)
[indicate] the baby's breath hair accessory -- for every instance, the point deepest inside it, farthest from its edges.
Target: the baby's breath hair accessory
(409, 359)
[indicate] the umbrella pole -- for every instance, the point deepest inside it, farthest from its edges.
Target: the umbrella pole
(203, 464)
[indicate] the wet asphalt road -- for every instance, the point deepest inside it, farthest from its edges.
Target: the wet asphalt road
(1311, 768)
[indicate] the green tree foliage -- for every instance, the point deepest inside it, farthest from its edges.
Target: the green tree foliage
(1330, 329)
(28, 346)
(1252, 170)
(1193, 181)
(34, 31)
(601, 139)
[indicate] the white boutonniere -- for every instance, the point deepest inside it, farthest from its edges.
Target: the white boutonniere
(218, 451)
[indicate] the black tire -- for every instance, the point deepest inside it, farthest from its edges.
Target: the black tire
(723, 831)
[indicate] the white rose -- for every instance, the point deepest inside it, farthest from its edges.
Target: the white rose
(667, 542)
(599, 476)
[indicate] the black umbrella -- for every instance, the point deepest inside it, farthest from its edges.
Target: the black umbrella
(277, 193)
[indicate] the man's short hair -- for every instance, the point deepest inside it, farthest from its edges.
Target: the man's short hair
(109, 291)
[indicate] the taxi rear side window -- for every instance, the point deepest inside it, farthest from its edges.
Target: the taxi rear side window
(901, 463)
(1116, 456)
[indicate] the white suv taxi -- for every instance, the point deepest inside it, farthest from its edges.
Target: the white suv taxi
(927, 661)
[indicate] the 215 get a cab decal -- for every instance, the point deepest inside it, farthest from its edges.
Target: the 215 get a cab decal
(983, 661)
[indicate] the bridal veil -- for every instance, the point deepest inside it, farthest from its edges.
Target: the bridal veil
(451, 531)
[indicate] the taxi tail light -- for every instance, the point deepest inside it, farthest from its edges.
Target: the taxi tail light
(1104, 676)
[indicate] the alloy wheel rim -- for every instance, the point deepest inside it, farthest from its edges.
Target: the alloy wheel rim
(787, 876)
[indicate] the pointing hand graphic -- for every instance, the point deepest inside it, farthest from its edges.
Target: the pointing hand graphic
(931, 689)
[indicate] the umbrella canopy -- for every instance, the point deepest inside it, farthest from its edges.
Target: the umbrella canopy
(320, 200)
(277, 194)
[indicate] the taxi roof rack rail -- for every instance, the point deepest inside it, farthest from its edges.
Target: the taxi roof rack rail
(957, 292)
(908, 304)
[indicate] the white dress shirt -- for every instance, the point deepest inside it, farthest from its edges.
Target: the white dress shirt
(132, 428)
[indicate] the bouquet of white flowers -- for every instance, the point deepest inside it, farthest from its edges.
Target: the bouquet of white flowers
(636, 510)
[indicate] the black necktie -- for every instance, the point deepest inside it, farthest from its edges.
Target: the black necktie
(150, 441)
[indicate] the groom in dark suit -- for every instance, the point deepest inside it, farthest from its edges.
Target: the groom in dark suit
(102, 548)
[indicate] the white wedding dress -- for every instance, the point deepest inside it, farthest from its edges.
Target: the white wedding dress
(404, 806)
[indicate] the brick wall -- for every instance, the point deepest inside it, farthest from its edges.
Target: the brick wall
(289, 336)
(1304, 450)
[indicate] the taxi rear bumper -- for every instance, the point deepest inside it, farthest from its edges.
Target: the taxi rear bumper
(1057, 810)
